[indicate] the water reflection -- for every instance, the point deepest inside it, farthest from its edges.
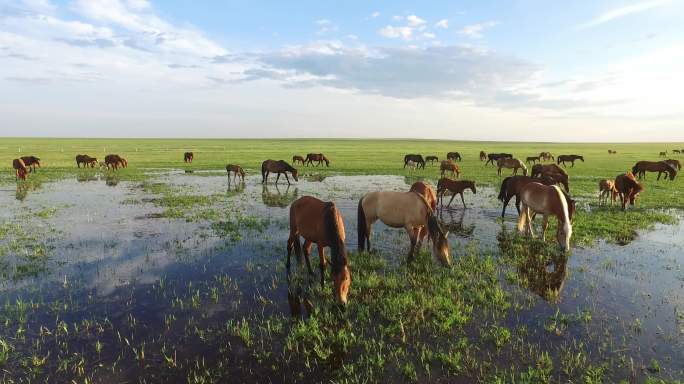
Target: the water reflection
(278, 199)
(84, 177)
(235, 187)
(24, 187)
(452, 221)
(315, 177)
(112, 179)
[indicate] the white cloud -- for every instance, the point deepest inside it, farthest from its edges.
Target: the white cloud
(375, 14)
(429, 35)
(397, 18)
(474, 31)
(624, 11)
(414, 21)
(325, 26)
(404, 33)
(444, 23)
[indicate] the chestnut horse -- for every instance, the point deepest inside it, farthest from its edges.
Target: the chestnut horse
(569, 159)
(188, 157)
(627, 188)
(674, 163)
(279, 167)
(547, 200)
(115, 161)
(31, 162)
(407, 210)
(448, 166)
(607, 190)
(456, 187)
(493, 157)
(515, 164)
(546, 156)
(320, 222)
(415, 158)
(641, 167)
(453, 156)
(20, 169)
(483, 156)
(511, 186)
(86, 161)
(236, 170)
(297, 158)
(431, 159)
(319, 157)
(428, 193)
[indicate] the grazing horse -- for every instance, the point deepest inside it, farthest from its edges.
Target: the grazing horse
(448, 166)
(547, 200)
(568, 158)
(297, 158)
(674, 163)
(627, 188)
(320, 222)
(318, 157)
(236, 170)
(115, 161)
(431, 159)
(188, 157)
(543, 169)
(515, 164)
(663, 154)
(86, 161)
(606, 190)
(456, 187)
(31, 162)
(511, 186)
(676, 151)
(407, 210)
(415, 158)
(493, 157)
(428, 193)
(641, 167)
(453, 156)
(546, 156)
(279, 167)
(20, 169)
(612, 151)
(483, 156)
(533, 159)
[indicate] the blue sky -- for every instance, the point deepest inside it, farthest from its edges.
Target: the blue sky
(495, 70)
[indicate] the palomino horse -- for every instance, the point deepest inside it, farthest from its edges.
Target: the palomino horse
(279, 167)
(188, 157)
(86, 161)
(31, 162)
(20, 169)
(533, 159)
(320, 222)
(456, 187)
(483, 156)
(674, 163)
(546, 156)
(607, 190)
(641, 167)
(627, 188)
(407, 210)
(547, 200)
(453, 156)
(236, 170)
(448, 166)
(568, 159)
(415, 158)
(297, 159)
(431, 159)
(318, 157)
(494, 157)
(511, 186)
(515, 164)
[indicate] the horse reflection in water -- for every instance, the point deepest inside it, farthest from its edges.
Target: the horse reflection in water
(452, 221)
(298, 299)
(24, 188)
(278, 199)
(112, 180)
(235, 187)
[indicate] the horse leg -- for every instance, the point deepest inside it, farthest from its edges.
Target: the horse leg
(277, 178)
(521, 220)
(462, 200)
(412, 236)
(517, 203)
(321, 262)
(546, 225)
(307, 256)
(505, 204)
(452, 199)
(287, 178)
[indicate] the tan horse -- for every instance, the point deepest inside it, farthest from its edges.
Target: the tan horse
(236, 170)
(547, 200)
(407, 210)
(514, 164)
(641, 167)
(449, 166)
(456, 187)
(607, 190)
(321, 223)
(512, 185)
(627, 188)
(20, 169)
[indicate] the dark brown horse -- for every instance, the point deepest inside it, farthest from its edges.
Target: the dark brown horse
(483, 156)
(31, 162)
(20, 169)
(674, 163)
(641, 167)
(456, 187)
(568, 159)
(533, 159)
(86, 161)
(447, 166)
(320, 222)
(279, 167)
(297, 159)
(115, 161)
(494, 157)
(511, 186)
(431, 159)
(453, 156)
(188, 157)
(418, 159)
(612, 152)
(627, 188)
(676, 151)
(236, 170)
(546, 169)
(318, 157)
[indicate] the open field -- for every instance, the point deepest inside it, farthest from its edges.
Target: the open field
(152, 274)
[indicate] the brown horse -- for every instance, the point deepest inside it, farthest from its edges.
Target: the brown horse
(674, 163)
(188, 157)
(546, 156)
(428, 193)
(456, 187)
(547, 200)
(236, 170)
(319, 157)
(533, 159)
(448, 166)
(20, 169)
(612, 152)
(431, 159)
(115, 161)
(676, 151)
(453, 156)
(663, 154)
(483, 156)
(297, 158)
(31, 162)
(279, 167)
(515, 164)
(511, 186)
(86, 161)
(606, 190)
(418, 159)
(568, 159)
(494, 157)
(543, 169)
(407, 210)
(320, 222)
(641, 167)
(627, 188)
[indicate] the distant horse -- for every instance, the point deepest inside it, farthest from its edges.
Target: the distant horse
(483, 156)
(494, 157)
(533, 159)
(188, 157)
(31, 162)
(612, 152)
(407, 210)
(607, 190)
(674, 163)
(453, 156)
(236, 170)
(431, 159)
(115, 161)
(412, 165)
(297, 159)
(279, 167)
(86, 161)
(456, 187)
(569, 159)
(641, 167)
(20, 169)
(547, 200)
(546, 156)
(627, 188)
(676, 151)
(415, 158)
(514, 164)
(430, 196)
(511, 186)
(539, 169)
(448, 166)
(320, 222)
(318, 157)
(663, 154)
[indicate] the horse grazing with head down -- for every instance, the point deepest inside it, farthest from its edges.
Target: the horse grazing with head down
(428, 193)
(297, 159)
(483, 156)
(456, 187)
(418, 159)
(547, 200)
(20, 169)
(453, 156)
(641, 167)
(318, 157)
(86, 161)
(321, 223)
(188, 157)
(663, 154)
(236, 170)
(607, 190)
(674, 163)
(514, 164)
(627, 188)
(31, 162)
(512, 185)
(448, 166)
(494, 157)
(279, 167)
(115, 161)
(568, 159)
(533, 159)
(431, 159)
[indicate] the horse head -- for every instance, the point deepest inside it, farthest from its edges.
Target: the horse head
(440, 241)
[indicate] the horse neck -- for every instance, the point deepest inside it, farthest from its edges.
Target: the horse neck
(338, 254)
(564, 212)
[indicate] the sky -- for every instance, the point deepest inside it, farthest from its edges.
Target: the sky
(522, 70)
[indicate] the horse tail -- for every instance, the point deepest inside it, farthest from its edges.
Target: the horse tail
(338, 252)
(263, 172)
(362, 226)
(504, 188)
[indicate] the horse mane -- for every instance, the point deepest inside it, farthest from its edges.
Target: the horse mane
(338, 252)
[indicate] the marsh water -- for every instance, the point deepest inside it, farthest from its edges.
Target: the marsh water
(110, 251)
